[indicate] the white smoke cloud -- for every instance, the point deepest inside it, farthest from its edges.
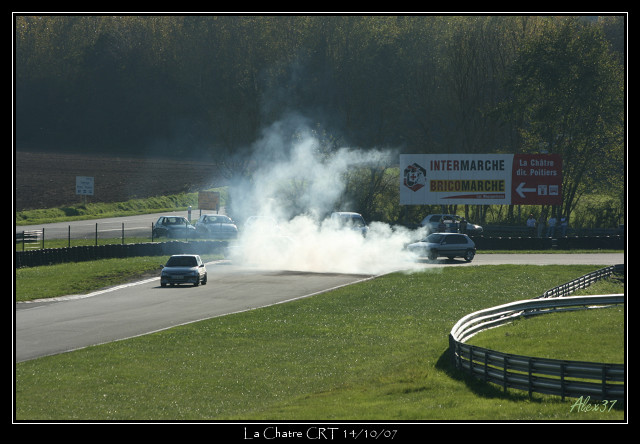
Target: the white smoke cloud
(295, 186)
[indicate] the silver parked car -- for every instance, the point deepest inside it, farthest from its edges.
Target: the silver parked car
(449, 223)
(184, 269)
(217, 226)
(353, 221)
(173, 226)
(445, 244)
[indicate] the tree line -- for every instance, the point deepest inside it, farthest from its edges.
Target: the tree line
(206, 86)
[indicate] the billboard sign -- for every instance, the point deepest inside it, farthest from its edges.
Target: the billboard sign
(208, 200)
(481, 179)
(536, 179)
(84, 185)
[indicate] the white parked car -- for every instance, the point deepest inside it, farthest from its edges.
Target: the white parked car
(264, 224)
(448, 223)
(173, 226)
(217, 226)
(449, 245)
(353, 221)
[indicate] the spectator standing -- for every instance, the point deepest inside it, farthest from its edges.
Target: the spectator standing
(551, 229)
(564, 223)
(531, 225)
(463, 226)
(541, 223)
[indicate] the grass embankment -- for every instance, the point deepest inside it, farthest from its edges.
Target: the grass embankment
(131, 207)
(99, 210)
(377, 350)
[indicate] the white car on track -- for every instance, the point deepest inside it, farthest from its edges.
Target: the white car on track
(184, 269)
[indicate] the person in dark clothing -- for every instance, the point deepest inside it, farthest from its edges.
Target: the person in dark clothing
(463, 225)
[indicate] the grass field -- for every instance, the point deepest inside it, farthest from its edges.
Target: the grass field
(374, 351)
(538, 336)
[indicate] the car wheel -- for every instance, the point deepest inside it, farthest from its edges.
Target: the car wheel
(204, 281)
(432, 255)
(469, 255)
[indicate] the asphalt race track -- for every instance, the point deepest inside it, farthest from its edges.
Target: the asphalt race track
(47, 327)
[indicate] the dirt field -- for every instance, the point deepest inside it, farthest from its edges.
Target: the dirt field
(49, 180)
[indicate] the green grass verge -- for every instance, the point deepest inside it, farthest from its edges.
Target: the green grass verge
(538, 336)
(372, 351)
(100, 210)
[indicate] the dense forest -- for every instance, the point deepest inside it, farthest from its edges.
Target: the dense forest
(205, 87)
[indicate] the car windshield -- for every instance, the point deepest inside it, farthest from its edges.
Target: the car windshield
(182, 261)
(352, 220)
(217, 220)
(434, 238)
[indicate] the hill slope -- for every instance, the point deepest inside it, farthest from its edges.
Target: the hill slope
(44, 180)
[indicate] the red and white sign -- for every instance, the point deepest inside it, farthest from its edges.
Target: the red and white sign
(536, 179)
(485, 179)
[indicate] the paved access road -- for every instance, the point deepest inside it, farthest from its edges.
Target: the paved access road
(135, 226)
(54, 326)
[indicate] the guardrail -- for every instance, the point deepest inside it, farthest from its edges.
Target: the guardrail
(49, 256)
(60, 255)
(483, 242)
(549, 376)
(582, 282)
(522, 231)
